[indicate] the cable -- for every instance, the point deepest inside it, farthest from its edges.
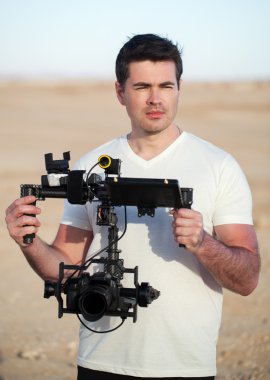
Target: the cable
(113, 242)
(89, 261)
(87, 180)
(89, 172)
(100, 332)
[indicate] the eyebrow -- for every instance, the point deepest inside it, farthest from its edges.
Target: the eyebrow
(145, 84)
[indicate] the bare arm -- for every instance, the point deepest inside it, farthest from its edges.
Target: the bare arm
(232, 256)
(70, 245)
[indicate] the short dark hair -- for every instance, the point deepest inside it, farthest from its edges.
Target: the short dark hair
(144, 47)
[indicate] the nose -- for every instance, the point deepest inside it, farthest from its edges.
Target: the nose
(154, 97)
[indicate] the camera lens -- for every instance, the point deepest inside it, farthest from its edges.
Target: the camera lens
(94, 303)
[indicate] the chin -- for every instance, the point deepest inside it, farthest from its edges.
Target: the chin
(154, 130)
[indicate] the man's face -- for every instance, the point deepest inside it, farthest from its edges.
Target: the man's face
(150, 95)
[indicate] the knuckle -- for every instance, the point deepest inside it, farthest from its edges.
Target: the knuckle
(25, 220)
(20, 209)
(29, 230)
(200, 224)
(7, 211)
(7, 219)
(9, 230)
(12, 232)
(17, 202)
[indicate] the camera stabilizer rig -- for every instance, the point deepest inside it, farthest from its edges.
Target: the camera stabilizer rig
(102, 293)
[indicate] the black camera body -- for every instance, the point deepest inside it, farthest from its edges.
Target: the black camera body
(102, 293)
(94, 296)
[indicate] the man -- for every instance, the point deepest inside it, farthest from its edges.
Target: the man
(176, 336)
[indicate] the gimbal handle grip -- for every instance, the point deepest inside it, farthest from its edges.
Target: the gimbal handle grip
(183, 245)
(28, 239)
(28, 190)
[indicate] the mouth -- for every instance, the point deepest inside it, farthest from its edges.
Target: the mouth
(155, 114)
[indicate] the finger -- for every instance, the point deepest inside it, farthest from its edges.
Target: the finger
(17, 231)
(182, 213)
(185, 215)
(17, 218)
(20, 202)
(190, 238)
(22, 231)
(187, 226)
(23, 200)
(27, 220)
(19, 210)
(180, 231)
(16, 224)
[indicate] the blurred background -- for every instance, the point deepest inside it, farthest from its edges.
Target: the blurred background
(57, 94)
(221, 40)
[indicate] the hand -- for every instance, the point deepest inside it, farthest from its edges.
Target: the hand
(188, 228)
(18, 223)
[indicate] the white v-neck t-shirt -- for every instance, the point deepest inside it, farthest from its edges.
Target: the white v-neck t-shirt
(177, 334)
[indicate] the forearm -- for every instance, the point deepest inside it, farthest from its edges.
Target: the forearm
(232, 256)
(70, 245)
(234, 268)
(44, 258)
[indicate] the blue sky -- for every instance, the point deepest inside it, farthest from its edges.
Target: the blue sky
(221, 39)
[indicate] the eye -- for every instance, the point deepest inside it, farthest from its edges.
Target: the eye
(170, 86)
(141, 87)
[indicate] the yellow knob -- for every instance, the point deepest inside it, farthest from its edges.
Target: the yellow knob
(104, 161)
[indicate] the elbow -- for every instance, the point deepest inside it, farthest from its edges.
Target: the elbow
(248, 288)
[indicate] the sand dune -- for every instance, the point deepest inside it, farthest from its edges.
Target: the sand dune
(36, 118)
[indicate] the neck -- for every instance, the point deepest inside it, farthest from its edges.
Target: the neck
(148, 146)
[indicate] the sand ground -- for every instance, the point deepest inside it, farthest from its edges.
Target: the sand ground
(36, 118)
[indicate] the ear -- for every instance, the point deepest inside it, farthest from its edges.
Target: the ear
(120, 93)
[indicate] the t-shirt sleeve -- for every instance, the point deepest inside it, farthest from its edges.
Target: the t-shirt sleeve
(76, 216)
(233, 201)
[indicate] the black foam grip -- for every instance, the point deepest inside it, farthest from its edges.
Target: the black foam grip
(28, 190)
(183, 245)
